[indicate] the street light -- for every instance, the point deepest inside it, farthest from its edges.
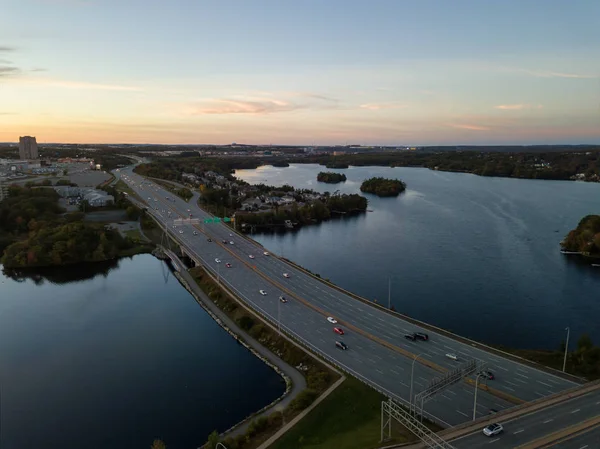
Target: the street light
(566, 348)
(475, 400)
(412, 374)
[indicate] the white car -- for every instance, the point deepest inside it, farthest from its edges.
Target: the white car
(231, 243)
(218, 260)
(230, 235)
(251, 256)
(262, 292)
(332, 320)
(493, 429)
(286, 275)
(180, 231)
(452, 356)
(195, 233)
(266, 253)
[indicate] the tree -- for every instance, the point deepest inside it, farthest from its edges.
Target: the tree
(158, 444)
(213, 439)
(584, 343)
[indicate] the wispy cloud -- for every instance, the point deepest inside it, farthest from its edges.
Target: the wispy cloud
(8, 70)
(552, 74)
(80, 85)
(469, 127)
(517, 107)
(227, 106)
(6, 48)
(378, 106)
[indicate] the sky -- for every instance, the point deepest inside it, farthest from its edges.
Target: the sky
(301, 72)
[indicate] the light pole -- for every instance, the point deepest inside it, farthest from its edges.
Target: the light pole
(475, 400)
(566, 348)
(412, 375)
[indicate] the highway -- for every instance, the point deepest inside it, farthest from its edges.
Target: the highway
(587, 440)
(378, 351)
(535, 425)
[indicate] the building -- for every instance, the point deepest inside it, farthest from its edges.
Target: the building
(3, 189)
(28, 148)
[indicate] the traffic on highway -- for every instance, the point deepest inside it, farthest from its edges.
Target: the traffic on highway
(393, 355)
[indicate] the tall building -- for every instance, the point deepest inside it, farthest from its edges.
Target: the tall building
(3, 189)
(28, 148)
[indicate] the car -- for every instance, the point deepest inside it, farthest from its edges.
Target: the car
(452, 356)
(230, 235)
(218, 260)
(224, 241)
(231, 243)
(492, 429)
(228, 265)
(195, 233)
(262, 292)
(286, 275)
(332, 320)
(180, 231)
(209, 239)
(341, 345)
(266, 253)
(189, 210)
(251, 256)
(411, 337)
(492, 411)
(487, 374)
(338, 330)
(282, 299)
(422, 336)
(174, 226)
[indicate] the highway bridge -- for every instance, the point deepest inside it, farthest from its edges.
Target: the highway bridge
(378, 352)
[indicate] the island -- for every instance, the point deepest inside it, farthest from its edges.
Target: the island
(585, 239)
(383, 187)
(331, 177)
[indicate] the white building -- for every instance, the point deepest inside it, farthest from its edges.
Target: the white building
(28, 148)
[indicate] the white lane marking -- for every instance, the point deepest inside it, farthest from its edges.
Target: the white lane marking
(449, 398)
(468, 391)
(576, 410)
(583, 447)
(522, 381)
(522, 375)
(510, 383)
(498, 405)
(464, 414)
(423, 378)
(539, 394)
(508, 388)
(493, 441)
(402, 383)
(451, 392)
(493, 359)
(522, 370)
(379, 371)
(419, 384)
(502, 368)
(548, 420)
(597, 403)
(448, 347)
(395, 372)
(463, 353)
(518, 431)
(544, 383)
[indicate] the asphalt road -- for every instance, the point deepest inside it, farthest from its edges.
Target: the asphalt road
(588, 440)
(535, 425)
(383, 367)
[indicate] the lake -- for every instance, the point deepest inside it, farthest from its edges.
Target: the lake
(476, 255)
(114, 355)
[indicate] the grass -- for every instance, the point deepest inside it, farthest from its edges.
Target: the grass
(135, 235)
(349, 418)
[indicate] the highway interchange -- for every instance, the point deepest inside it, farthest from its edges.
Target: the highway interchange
(378, 352)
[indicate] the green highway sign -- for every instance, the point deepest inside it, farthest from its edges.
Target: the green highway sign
(217, 220)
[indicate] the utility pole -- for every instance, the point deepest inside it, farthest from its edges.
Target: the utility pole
(566, 348)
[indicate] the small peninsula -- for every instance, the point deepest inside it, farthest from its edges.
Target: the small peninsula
(585, 239)
(331, 177)
(383, 187)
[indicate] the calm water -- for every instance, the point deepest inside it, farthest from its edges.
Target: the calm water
(479, 256)
(118, 359)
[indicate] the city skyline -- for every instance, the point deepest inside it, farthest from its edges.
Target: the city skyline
(377, 73)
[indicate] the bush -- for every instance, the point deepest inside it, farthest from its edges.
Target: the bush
(246, 323)
(303, 400)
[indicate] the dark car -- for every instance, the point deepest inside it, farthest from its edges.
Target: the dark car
(411, 337)
(224, 241)
(209, 240)
(488, 374)
(422, 336)
(341, 345)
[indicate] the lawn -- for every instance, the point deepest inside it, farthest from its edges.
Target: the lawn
(135, 235)
(349, 418)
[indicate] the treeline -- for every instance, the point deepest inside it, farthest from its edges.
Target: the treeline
(316, 211)
(585, 238)
(383, 187)
(538, 165)
(331, 177)
(34, 232)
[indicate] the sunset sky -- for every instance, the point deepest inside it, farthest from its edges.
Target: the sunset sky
(305, 72)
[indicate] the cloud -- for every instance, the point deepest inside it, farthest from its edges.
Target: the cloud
(551, 74)
(470, 127)
(8, 70)
(81, 85)
(227, 106)
(517, 107)
(378, 106)
(5, 48)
